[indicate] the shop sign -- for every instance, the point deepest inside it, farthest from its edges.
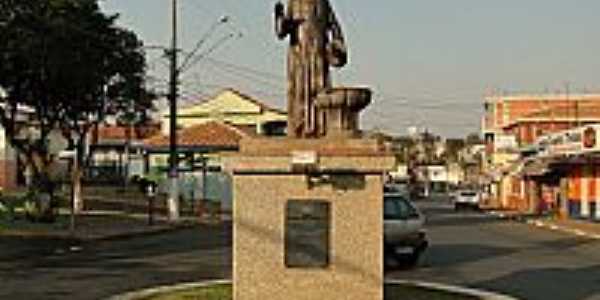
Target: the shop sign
(505, 143)
(574, 141)
(589, 138)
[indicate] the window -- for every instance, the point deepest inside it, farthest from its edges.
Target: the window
(398, 208)
(409, 211)
(391, 210)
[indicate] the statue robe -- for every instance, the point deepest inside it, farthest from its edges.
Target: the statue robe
(316, 43)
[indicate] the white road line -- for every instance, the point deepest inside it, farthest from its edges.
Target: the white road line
(482, 294)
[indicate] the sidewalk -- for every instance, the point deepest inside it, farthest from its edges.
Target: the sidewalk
(98, 226)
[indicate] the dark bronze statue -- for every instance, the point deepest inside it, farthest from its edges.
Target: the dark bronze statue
(316, 44)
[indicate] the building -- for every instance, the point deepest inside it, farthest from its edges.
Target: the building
(116, 152)
(523, 118)
(15, 171)
(234, 108)
(513, 127)
(8, 163)
(200, 149)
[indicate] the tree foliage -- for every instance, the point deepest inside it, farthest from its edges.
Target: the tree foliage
(474, 139)
(69, 63)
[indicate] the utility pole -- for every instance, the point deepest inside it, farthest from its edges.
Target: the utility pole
(173, 200)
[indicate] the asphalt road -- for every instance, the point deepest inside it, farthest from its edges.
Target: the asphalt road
(480, 251)
(54, 270)
(468, 249)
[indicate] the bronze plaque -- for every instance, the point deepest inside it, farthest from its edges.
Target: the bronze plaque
(307, 227)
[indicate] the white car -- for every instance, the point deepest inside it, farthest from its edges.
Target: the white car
(404, 237)
(466, 199)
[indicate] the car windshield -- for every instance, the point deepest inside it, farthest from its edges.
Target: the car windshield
(398, 208)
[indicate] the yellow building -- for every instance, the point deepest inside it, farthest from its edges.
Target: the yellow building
(236, 109)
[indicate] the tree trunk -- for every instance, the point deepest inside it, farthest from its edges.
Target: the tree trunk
(76, 181)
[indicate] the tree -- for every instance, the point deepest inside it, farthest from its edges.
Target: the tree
(69, 63)
(453, 149)
(473, 139)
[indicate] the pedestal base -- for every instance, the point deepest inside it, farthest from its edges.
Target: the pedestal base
(308, 233)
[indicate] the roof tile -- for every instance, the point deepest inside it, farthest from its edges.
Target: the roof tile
(210, 134)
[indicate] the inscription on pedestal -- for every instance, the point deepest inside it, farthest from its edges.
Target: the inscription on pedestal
(307, 228)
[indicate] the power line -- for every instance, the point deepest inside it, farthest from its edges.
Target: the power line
(212, 49)
(202, 40)
(246, 69)
(249, 77)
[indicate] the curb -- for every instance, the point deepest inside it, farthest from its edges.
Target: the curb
(554, 227)
(109, 237)
(484, 295)
(546, 225)
(508, 216)
(128, 235)
(166, 288)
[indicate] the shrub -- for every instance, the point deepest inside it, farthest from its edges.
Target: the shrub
(40, 207)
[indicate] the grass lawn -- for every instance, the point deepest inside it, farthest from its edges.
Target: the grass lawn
(392, 292)
(216, 292)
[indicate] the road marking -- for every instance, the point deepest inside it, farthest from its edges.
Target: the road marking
(482, 294)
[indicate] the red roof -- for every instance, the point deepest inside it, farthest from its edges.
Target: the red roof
(210, 134)
(121, 132)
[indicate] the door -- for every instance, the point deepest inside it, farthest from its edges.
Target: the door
(394, 224)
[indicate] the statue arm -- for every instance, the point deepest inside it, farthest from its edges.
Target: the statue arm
(282, 20)
(338, 53)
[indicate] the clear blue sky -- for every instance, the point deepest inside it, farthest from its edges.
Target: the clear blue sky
(430, 62)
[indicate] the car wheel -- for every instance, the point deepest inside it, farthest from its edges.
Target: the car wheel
(390, 259)
(413, 259)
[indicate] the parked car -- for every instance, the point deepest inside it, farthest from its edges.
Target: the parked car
(404, 237)
(396, 188)
(466, 199)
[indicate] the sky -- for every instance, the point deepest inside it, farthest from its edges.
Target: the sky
(430, 63)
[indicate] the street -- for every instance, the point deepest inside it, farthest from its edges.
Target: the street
(49, 270)
(480, 251)
(468, 248)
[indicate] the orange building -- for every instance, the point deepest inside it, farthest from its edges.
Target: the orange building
(512, 124)
(530, 116)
